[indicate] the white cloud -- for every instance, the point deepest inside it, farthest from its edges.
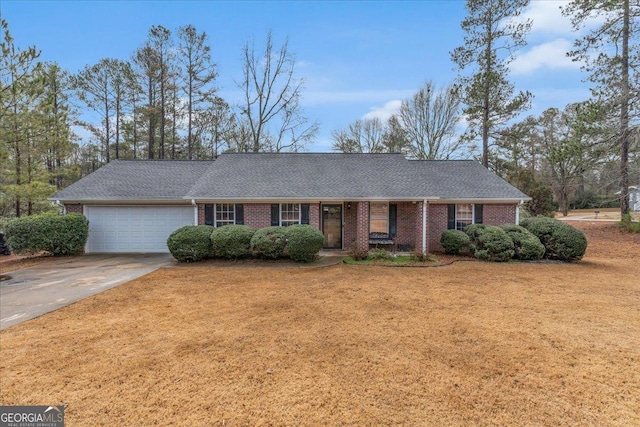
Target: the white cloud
(548, 21)
(547, 17)
(385, 112)
(351, 97)
(551, 55)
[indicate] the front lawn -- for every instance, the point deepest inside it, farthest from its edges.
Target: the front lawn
(467, 344)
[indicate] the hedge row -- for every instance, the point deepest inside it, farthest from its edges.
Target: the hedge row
(536, 238)
(561, 241)
(197, 242)
(52, 233)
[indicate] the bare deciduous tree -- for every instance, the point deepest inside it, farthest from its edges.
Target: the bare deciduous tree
(429, 120)
(271, 104)
(361, 136)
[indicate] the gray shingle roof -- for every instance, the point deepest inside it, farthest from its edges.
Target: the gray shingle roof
(310, 176)
(130, 180)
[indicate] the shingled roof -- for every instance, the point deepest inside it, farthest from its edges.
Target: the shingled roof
(133, 180)
(290, 176)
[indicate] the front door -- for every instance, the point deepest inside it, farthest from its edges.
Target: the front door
(332, 226)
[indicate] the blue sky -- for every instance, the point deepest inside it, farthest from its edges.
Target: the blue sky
(359, 59)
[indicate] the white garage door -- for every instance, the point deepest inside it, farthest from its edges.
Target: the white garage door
(134, 228)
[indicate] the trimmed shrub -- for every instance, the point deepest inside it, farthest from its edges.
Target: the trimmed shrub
(526, 245)
(232, 241)
(474, 230)
(191, 243)
(269, 242)
(379, 254)
(494, 244)
(454, 242)
(303, 242)
(561, 241)
(56, 234)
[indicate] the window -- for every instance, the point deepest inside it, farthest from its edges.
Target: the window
(379, 217)
(225, 214)
(464, 215)
(289, 214)
(461, 215)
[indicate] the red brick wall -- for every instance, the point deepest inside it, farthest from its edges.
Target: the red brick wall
(491, 215)
(436, 224)
(77, 208)
(499, 214)
(200, 213)
(350, 221)
(258, 215)
(406, 223)
(362, 225)
(314, 215)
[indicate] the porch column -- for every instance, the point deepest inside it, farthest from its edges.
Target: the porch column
(418, 227)
(362, 226)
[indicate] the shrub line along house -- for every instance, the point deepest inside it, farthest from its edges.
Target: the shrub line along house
(355, 200)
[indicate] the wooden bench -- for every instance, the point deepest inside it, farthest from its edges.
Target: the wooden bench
(380, 239)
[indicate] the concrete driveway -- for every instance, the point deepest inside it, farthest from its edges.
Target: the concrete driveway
(46, 287)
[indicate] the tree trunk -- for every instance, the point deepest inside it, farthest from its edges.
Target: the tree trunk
(151, 113)
(624, 114)
(117, 153)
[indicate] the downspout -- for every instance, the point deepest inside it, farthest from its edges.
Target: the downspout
(64, 208)
(518, 212)
(424, 226)
(195, 211)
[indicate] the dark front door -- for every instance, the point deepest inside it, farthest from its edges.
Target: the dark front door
(332, 226)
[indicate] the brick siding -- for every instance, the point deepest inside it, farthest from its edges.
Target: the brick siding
(258, 215)
(350, 221)
(492, 214)
(362, 225)
(356, 221)
(76, 208)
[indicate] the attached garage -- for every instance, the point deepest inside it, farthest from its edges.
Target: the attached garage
(134, 228)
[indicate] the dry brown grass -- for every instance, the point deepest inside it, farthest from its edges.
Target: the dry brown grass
(467, 344)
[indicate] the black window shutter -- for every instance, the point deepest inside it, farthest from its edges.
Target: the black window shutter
(393, 220)
(275, 214)
(239, 214)
(451, 217)
(208, 214)
(477, 215)
(304, 213)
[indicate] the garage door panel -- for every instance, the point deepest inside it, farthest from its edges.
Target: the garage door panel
(134, 228)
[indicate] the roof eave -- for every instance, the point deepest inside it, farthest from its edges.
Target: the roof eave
(171, 201)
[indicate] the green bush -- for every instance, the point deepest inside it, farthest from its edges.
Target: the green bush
(454, 242)
(303, 242)
(526, 245)
(191, 243)
(474, 231)
(561, 241)
(56, 234)
(232, 241)
(269, 242)
(493, 244)
(628, 224)
(379, 254)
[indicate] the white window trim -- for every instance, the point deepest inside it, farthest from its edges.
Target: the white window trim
(388, 214)
(288, 220)
(473, 214)
(215, 214)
